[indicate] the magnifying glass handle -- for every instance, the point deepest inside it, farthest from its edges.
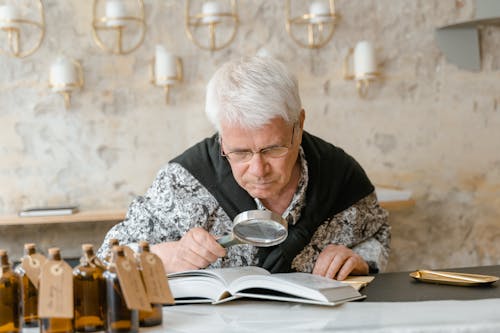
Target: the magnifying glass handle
(228, 240)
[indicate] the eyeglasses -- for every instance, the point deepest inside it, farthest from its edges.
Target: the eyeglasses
(242, 156)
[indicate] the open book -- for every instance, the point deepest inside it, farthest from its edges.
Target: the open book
(225, 284)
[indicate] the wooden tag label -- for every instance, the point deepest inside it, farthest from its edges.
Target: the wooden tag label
(129, 253)
(155, 279)
(32, 265)
(131, 285)
(56, 290)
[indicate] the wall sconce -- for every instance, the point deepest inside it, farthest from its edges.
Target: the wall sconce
(13, 24)
(361, 60)
(320, 23)
(212, 19)
(165, 70)
(118, 22)
(66, 75)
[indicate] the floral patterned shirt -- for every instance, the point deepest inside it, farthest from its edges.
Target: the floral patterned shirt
(177, 202)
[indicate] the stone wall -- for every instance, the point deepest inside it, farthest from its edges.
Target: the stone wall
(428, 126)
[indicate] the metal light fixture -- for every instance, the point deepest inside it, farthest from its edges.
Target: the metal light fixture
(19, 28)
(111, 29)
(313, 29)
(360, 65)
(66, 75)
(215, 27)
(165, 70)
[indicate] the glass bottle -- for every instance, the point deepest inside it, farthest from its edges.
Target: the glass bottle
(56, 325)
(29, 291)
(10, 297)
(89, 291)
(155, 317)
(119, 319)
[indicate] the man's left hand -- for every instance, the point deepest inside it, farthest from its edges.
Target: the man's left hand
(338, 261)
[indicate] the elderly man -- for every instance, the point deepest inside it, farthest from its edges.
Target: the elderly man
(260, 158)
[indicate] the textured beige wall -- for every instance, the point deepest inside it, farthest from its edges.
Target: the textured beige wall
(428, 126)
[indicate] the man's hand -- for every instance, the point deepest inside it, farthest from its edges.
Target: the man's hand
(338, 261)
(196, 249)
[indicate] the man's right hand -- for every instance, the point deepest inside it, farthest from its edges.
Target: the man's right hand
(196, 249)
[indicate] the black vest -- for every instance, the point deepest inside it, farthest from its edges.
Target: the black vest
(336, 181)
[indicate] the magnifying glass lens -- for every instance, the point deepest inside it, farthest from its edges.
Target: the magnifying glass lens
(260, 231)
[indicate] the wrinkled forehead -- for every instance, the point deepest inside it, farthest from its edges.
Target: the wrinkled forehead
(275, 125)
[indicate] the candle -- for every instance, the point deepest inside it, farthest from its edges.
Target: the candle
(9, 13)
(364, 60)
(115, 9)
(165, 66)
(210, 12)
(319, 12)
(62, 73)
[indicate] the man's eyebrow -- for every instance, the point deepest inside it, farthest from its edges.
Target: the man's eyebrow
(241, 150)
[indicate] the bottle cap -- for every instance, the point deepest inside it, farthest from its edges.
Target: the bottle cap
(144, 245)
(87, 247)
(4, 258)
(28, 246)
(54, 253)
(118, 250)
(113, 242)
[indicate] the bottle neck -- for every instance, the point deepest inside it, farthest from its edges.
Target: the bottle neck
(55, 256)
(4, 263)
(144, 249)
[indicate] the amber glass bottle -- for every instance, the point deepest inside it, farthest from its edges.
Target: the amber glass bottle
(29, 291)
(56, 325)
(10, 297)
(119, 319)
(155, 317)
(89, 291)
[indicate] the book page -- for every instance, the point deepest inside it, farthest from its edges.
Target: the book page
(207, 284)
(225, 275)
(301, 285)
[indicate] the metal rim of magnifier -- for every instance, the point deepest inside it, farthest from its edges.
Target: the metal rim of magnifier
(265, 215)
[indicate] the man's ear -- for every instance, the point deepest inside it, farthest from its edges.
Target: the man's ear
(302, 118)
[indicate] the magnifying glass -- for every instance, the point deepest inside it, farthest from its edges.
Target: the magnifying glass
(256, 227)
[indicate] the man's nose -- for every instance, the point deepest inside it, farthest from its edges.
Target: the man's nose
(257, 164)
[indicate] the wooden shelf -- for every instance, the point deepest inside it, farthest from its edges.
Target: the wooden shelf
(116, 215)
(397, 205)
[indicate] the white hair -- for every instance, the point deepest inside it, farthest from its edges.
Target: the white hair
(250, 92)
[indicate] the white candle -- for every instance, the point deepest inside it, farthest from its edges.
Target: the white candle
(63, 72)
(211, 11)
(319, 12)
(115, 9)
(364, 60)
(165, 66)
(9, 13)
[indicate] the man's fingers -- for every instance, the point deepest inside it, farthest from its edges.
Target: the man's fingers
(322, 263)
(193, 258)
(199, 248)
(208, 244)
(338, 261)
(347, 268)
(335, 265)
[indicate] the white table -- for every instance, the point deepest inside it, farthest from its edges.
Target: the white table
(257, 316)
